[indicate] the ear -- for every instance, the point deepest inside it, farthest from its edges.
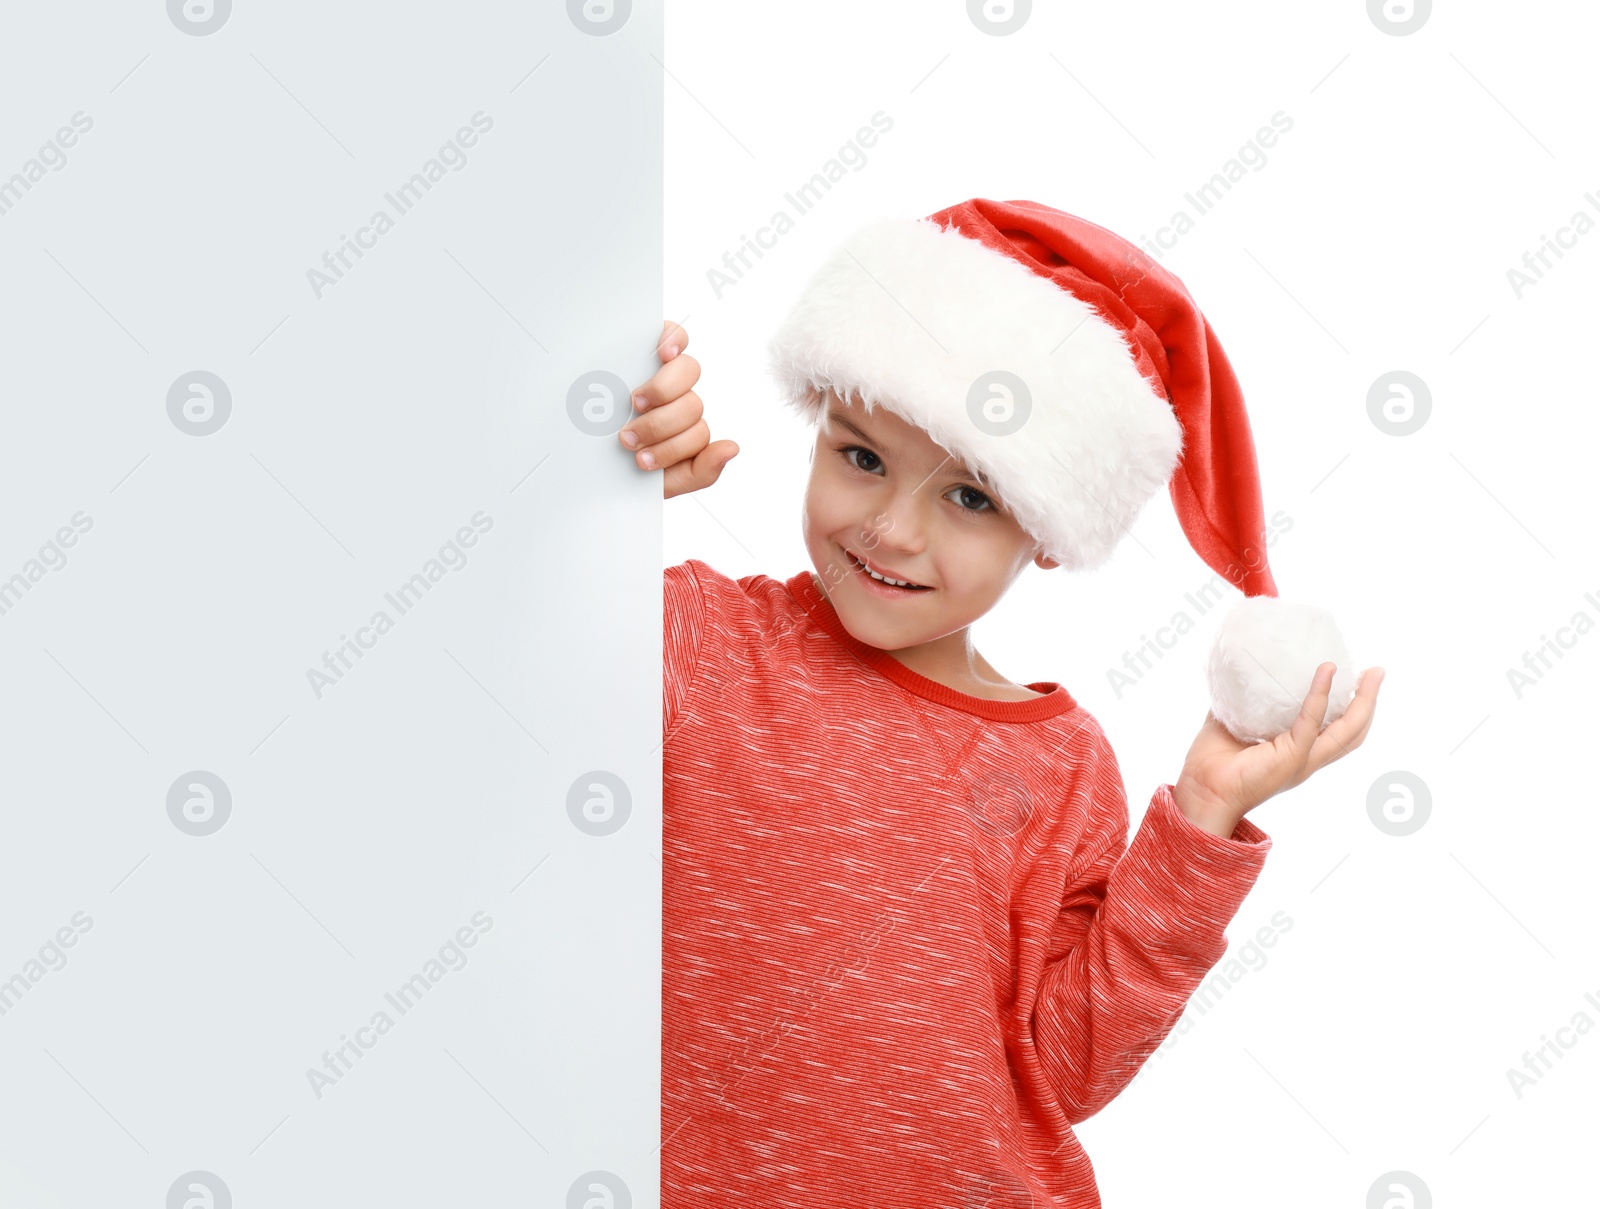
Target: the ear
(1044, 562)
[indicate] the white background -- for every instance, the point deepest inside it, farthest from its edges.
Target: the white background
(1420, 168)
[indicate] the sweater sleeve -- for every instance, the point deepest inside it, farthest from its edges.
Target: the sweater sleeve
(1137, 932)
(683, 623)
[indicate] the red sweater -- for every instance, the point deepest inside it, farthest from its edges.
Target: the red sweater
(906, 945)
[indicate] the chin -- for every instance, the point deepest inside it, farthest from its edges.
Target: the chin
(865, 624)
(887, 641)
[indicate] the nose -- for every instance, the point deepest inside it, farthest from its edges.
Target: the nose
(900, 527)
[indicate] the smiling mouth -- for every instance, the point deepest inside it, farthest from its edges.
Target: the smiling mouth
(904, 586)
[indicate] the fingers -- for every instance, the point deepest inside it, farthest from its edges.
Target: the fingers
(1346, 734)
(653, 431)
(673, 340)
(680, 447)
(667, 431)
(705, 469)
(1303, 733)
(669, 382)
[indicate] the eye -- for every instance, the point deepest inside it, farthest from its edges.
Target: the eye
(845, 451)
(983, 503)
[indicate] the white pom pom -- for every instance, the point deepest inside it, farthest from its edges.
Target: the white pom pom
(1263, 660)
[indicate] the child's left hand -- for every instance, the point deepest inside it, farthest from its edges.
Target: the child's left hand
(1223, 779)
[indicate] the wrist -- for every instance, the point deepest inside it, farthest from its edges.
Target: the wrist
(1206, 811)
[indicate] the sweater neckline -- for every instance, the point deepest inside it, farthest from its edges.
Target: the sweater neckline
(1056, 699)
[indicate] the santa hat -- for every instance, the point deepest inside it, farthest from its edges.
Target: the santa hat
(1077, 374)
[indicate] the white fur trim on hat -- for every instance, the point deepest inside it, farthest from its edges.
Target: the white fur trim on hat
(909, 315)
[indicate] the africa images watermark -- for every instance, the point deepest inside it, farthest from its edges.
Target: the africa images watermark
(1150, 651)
(337, 1063)
(1535, 264)
(451, 557)
(1537, 662)
(1249, 959)
(1536, 1064)
(1204, 199)
(802, 200)
(52, 156)
(51, 557)
(52, 956)
(452, 155)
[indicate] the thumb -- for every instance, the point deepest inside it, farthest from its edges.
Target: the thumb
(717, 455)
(705, 469)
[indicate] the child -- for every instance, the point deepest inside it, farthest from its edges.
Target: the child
(906, 943)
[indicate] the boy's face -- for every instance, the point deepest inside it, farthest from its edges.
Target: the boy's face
(888, 494)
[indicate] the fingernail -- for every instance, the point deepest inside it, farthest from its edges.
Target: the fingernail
(672, 351)
(648, 460)
(630, 438)
(638, 402)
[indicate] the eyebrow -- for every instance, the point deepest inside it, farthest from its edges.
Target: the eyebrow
(837, 417)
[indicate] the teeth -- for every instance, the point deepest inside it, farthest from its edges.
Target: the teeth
(884, 578)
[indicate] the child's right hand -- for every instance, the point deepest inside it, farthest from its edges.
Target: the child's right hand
(669, 434)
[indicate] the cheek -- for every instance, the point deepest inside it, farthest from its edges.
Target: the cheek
(821, 512)
(828, 498)
(974, 561)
